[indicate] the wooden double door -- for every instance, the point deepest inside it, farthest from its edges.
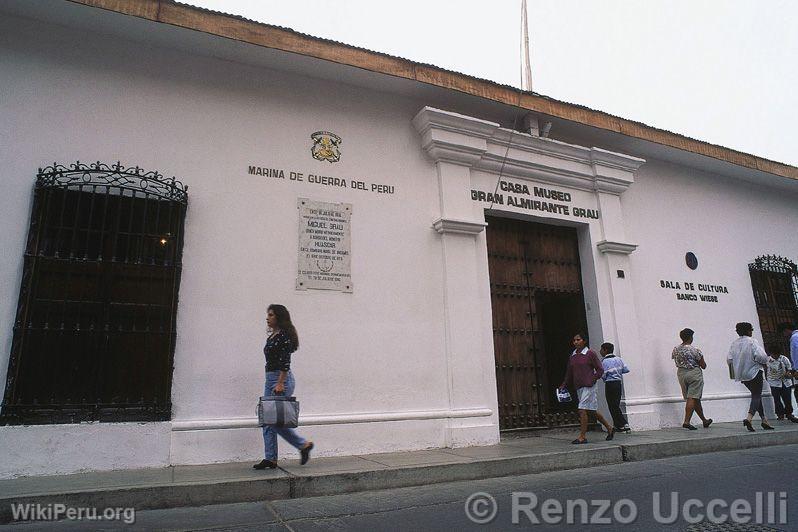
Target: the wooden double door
(537, 302)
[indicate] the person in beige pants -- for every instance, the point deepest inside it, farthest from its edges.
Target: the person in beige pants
(690, 366)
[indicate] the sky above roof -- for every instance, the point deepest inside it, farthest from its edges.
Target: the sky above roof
(722, 71)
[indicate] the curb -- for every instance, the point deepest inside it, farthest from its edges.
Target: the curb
(291, 486)
(296, 486)
(318, 485)
(654, 450)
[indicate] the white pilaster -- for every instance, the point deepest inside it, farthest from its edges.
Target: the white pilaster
(471, 377)
(614, 173)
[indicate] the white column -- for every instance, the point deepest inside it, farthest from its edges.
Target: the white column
(618, 310)
(471, 376)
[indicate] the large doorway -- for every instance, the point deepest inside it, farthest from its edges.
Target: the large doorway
(537, 301)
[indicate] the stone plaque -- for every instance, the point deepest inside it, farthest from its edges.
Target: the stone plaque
(324, 258)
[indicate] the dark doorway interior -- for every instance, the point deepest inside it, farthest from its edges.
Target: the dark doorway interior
(563, 315)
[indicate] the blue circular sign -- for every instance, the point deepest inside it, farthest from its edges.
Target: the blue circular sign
(691, 260)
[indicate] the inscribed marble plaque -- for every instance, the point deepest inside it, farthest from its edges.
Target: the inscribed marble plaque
(324, 246)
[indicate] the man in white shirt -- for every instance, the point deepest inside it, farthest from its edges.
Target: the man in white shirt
(790, 330)
(748, 361)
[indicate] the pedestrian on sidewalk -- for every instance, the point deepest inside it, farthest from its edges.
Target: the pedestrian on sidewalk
(614, 368)
(584, 370)
(779, 371)
(747, 363)
(281, 342)
(790, 331)
(690, 366)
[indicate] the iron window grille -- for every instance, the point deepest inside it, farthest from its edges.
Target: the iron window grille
(95, 330)
(775, 284)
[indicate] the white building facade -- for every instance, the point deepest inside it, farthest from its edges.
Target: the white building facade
(411, 353)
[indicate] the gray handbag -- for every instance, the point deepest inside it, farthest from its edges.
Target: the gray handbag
(278, 411)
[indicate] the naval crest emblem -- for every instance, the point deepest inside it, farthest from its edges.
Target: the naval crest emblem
(326, 146)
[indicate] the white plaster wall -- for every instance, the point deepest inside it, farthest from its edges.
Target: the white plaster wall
(377, 351)
(61, 449)
(727, 223)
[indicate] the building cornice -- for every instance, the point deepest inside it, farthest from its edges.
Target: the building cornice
(486, 146)
(452, 225)
(620, 248)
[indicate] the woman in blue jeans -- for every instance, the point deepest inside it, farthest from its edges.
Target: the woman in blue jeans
(282, 341)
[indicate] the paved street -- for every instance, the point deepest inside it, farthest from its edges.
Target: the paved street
(727, 476)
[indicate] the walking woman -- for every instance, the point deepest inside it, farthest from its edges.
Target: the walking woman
(747, 362)
(690, 366)
(282, 341)
(584, 370)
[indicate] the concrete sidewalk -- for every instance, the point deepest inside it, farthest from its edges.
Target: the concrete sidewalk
(238, 482)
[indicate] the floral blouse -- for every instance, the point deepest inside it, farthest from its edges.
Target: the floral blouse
(278, 351)
(686, 356)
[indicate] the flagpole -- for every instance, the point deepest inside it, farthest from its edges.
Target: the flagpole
(526, 65)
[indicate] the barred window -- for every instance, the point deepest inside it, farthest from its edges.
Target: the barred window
(774, 281)
(95, 330)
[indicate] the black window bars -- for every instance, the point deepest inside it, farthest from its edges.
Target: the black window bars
(95, 330)
(775, 284)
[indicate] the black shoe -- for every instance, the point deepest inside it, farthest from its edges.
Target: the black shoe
(263, 464)
(707, 423)
(793, 419)
(766, 426)
(688, 426)
(305, 453)
(748, 425)
(578, 441)
(610, 434)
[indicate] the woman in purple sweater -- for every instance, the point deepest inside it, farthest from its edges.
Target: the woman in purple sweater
(584, 370)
